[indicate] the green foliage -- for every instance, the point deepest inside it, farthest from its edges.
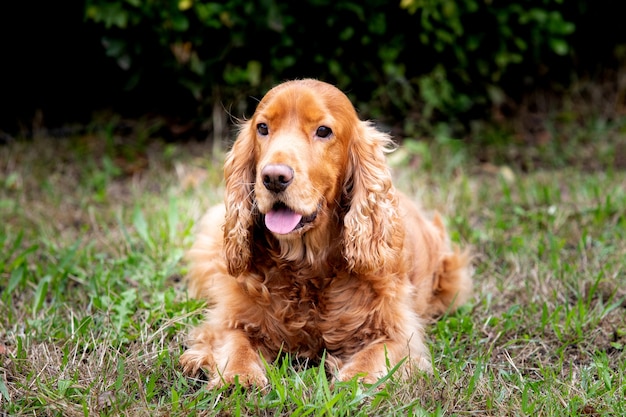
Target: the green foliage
(478, 42)
(438, 56)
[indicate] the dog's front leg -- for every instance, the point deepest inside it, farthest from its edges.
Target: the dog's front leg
(377, 359)
(227, 354)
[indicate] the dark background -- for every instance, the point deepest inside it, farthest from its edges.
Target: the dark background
(56, 72)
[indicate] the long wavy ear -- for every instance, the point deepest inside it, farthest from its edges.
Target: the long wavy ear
(371, 234)
(239, 175)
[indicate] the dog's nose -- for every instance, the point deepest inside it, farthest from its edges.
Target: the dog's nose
(277, 177)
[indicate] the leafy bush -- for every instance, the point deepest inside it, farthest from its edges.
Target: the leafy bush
(439, 57)
(475, 45)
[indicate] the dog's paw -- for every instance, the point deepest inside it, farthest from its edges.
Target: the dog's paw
(192, 360)
(245, 379)
(369, 374)
(348, 373)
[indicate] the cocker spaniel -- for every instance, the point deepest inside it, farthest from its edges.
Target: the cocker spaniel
(315, 251)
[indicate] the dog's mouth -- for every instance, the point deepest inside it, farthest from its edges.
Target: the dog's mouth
(282, 220)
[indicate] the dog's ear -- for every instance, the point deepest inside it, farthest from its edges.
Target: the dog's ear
(240, 176)
(371, 234)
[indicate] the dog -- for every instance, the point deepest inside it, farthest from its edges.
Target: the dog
(314, 252)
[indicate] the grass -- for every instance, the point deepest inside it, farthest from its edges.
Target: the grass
(93, 309)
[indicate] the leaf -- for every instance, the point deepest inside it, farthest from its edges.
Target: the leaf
(141, 227)
(180, 23)
(4, 390)
(41, 293)
(559, 46)
(63, 385)
(17, 275)
(125, 308)
(184, 4)
(172, 219)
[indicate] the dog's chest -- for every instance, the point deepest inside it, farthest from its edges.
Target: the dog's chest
(306, 316)
(296, 309)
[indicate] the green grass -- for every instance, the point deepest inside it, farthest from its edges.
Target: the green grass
(93, 309)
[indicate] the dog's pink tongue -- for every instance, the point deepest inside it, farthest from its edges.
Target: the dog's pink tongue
(282, 220)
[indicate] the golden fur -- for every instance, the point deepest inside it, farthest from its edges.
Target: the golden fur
(355, 279)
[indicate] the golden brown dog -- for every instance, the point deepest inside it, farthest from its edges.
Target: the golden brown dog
(315, 251)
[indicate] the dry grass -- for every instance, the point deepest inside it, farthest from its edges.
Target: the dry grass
(93, 310)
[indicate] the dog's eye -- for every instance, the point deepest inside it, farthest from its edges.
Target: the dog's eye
(262, 129)
(323, 132)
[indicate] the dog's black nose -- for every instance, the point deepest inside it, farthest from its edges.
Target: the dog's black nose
(277, 177)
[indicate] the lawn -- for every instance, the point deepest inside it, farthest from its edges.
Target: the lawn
(93, 308)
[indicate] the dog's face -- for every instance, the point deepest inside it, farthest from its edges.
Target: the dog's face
(302, 133)
(307, 170)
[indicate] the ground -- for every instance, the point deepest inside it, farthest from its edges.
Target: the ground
(93, 308)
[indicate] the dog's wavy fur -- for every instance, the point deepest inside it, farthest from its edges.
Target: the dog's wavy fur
(357, 282)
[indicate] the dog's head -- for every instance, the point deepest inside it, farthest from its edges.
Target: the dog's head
(301, 158)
